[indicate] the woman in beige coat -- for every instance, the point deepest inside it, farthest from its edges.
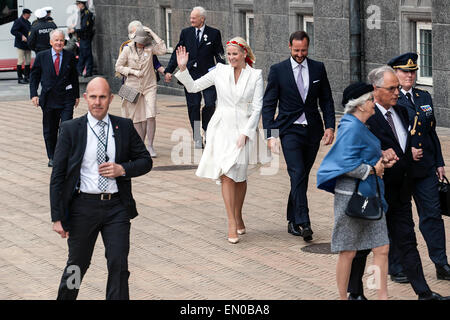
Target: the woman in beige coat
(136, 64)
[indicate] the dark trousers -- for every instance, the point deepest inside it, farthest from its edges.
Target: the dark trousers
(193, 101)
(51, 118)
(300, 155)
(87, 218)
(85, 57)
(431, 225)
(401, 231)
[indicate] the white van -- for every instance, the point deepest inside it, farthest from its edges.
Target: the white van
(64, 13)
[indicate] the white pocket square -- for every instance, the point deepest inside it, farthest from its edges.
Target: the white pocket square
(208, 43)
(315, 81)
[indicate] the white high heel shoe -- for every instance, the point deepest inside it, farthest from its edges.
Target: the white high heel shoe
(233, 240)
(241, 231)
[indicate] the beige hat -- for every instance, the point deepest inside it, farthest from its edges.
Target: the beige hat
(141, 36)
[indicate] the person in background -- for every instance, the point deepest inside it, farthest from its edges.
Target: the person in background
(39, 36)
(205, 48)
(136, 64)
(55, 71)
(85, 33)
(20, 30)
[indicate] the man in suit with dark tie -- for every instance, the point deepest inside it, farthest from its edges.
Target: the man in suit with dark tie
(55, 69)
(428, 167)
(298, 86)
(390, 125)
(204, 45)
(90, 190)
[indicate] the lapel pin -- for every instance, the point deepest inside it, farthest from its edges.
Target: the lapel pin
(117, 127)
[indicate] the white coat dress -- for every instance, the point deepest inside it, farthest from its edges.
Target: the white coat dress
(238, 110)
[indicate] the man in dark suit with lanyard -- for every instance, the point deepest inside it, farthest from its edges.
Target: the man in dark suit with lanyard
(90, 190)
(390, 125)
(427, 167)
(55, 69)
(295, 86)
(204, 45)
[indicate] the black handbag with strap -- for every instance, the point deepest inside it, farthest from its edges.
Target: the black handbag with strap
(444, 196)
(366, 208)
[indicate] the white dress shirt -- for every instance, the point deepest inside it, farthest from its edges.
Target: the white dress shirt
(89, 168)
(410, 92)
(305, 75)
(399, 128)
(202, 29)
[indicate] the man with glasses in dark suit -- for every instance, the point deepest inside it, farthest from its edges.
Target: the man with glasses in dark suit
(390, 125)
(427, 167)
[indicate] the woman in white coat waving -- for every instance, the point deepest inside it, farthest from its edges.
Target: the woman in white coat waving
(232, 131)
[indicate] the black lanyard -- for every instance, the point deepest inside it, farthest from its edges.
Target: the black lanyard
(98, 138)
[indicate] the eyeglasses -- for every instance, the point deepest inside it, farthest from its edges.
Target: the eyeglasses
(391, 89)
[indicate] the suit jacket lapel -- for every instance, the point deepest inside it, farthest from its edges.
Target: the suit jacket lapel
(385, 125)
(312, 76)
(52, 64)
(205, 32)
(117, 136)
(82, 135)
(242, 82)
(405, 101)
(292, 80)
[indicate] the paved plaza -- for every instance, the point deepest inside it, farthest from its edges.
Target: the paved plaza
(179, 247)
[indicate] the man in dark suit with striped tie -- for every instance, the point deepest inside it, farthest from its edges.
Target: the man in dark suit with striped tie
(298, 86)
(90, 190)
(55, 69)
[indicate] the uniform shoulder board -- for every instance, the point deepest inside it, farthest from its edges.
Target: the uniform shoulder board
(421, 90)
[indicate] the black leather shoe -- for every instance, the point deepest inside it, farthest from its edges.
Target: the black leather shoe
(399, 278)
(443, 273)
(50, 163)
(353, 296)
(294, 229)
(307, 233)
(434, 296)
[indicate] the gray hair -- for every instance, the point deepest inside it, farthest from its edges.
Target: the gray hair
(350, 107)
(54, 31)
(376, 76)
(201, 11)
(133, 25)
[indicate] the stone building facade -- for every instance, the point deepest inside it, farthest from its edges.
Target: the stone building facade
(387, 28)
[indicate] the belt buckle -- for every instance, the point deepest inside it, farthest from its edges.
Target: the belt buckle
(105, 194)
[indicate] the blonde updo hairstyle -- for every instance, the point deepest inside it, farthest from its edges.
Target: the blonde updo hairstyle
(243, 45)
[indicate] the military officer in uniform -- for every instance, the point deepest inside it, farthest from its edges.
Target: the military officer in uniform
(427, 168)
(85, 32)
(39, 37)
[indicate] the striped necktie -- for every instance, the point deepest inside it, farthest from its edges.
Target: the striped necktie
(101, 155)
